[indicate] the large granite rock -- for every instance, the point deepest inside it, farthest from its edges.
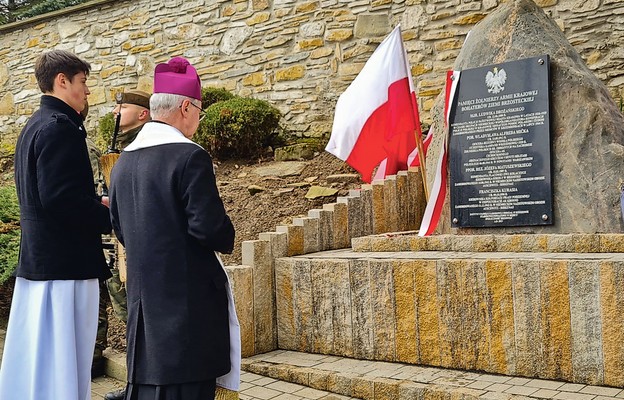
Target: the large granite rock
(587, 129)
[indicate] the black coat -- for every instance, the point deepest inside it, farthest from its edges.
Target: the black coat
(167, 212)
(60, 215)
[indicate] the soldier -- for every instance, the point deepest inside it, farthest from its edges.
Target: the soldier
(133, 111)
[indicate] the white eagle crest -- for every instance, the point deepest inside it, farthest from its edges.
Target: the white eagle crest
(496, 81)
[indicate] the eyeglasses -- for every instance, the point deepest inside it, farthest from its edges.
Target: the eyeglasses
(202, 113)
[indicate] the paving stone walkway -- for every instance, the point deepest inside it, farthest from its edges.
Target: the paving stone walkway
(378, 380)
(253, 386)
(289, 375)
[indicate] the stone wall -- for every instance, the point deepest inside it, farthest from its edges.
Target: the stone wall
(299, 55)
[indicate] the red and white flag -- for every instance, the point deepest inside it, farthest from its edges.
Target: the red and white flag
(413, 160)
(438, 188)
(377, 115)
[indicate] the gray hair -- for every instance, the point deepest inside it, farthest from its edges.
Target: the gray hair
(163, 105)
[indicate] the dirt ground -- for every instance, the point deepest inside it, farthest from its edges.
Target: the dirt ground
(252, 214)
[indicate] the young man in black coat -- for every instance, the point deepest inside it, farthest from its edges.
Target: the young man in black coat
(53, 320)
(182, 331)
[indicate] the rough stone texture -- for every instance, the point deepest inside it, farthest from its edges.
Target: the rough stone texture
(391, 204)
(340, 224)
(542, 315)
(586, 322)
(406, 316)
(379, 211)
(587, 128)
(284, 305)
(248, 47)
(528, 243)
(361, 310)
(383, 307)
(241, 278)
(295, 238)
(311, 240)
(325, 221)
(257, 254)
(611, 303)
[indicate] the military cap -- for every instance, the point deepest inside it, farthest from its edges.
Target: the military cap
(138, 97)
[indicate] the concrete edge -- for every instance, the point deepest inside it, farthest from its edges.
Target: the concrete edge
(115, 364)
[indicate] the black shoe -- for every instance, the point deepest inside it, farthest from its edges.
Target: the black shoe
(97, 367)
(116, 395)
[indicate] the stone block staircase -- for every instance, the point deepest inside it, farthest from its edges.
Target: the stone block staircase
(463, 311)
(335, 303)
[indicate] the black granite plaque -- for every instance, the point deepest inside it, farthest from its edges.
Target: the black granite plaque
(500, 146)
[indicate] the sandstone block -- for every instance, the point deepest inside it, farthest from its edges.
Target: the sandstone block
(386, 389)
(319, 379)
(586, 322)
(555, 299)
(375, 25)
(611, 301)
(338, 35)
(326, 222)
(361, 306)
(295, 238)
(383, 310)
(241, 280)
(527, 317)
(257, 254)
(290, 74)
(285, 303)
(340, 224)
(258, 18)
(406, 312)
(302, 308)
(278, 242)
(378, 208)
(390, 204)
(311, 242)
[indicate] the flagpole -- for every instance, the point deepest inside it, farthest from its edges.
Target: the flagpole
(421, 157)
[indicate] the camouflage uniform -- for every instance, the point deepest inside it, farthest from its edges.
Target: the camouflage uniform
(116, 287)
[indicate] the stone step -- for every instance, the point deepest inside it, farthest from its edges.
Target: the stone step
(377, 380)
(570, 243)
(538, 315)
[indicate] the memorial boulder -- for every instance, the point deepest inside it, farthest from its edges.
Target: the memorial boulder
(586, 127)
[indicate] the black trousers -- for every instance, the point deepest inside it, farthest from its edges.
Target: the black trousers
(185, 391)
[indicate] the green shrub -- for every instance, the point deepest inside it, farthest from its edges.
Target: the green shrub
(239, 128)
(9, 232)
(9, 250)
(212, 95)
(105, 129)
(9, 209)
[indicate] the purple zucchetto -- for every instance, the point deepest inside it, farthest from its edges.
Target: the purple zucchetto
(177, 76)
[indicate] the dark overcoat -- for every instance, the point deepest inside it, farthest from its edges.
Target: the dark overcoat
(167, 212)
(61, 217)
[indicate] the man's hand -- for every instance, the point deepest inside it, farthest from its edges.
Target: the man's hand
(105, 201)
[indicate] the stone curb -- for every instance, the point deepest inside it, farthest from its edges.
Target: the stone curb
(552, 243)
(115, 364)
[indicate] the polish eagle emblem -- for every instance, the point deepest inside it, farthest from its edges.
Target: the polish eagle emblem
(496, 81)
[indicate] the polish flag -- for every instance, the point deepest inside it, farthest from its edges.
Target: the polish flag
(413, 160)
(377, 115)
(438, 189)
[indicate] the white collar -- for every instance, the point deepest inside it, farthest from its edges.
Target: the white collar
(156, 134)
